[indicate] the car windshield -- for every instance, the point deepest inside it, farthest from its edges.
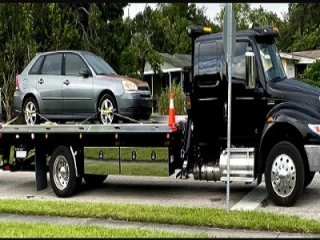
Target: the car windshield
(271, 62)
(99, 66)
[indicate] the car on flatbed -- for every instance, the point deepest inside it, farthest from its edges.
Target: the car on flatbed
(74, 85)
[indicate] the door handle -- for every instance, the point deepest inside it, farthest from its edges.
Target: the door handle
(66, 82)
(41, 81)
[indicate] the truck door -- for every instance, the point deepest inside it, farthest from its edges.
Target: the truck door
(247, 104)
(208, 97)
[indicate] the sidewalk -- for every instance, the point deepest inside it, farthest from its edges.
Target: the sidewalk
(212, 232)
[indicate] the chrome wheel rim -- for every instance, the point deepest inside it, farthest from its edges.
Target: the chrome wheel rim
(283, 175)
(106, 112)
(30, 113)
(61, 173)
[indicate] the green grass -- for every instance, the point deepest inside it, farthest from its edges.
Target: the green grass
(125, 153)
(40, 230)
(218, 218)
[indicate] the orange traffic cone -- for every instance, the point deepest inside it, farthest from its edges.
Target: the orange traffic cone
(172, 115)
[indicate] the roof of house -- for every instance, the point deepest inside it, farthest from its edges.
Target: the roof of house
(315, 54)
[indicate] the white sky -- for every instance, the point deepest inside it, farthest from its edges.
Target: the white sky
(212, 8)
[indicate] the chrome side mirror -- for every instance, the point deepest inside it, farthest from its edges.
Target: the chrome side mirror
(250, 70)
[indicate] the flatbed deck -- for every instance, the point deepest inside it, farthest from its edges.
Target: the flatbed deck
(90, 128)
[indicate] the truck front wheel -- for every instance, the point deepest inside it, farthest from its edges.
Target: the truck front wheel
(284, 174)
(62, 172)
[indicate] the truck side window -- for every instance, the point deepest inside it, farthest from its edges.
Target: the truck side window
(209, 63)
(239, 62)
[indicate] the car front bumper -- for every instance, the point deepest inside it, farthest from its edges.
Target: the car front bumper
(135, 105)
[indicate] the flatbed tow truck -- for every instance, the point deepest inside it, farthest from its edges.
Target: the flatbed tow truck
(275, 127)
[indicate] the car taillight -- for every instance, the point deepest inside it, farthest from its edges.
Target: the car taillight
(17, 83)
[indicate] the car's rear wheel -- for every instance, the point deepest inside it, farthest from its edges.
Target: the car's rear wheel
(31, 110)
(107, 108)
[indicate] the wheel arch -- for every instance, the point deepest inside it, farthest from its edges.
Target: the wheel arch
(102, 93)
(30, 95)
(281, 131)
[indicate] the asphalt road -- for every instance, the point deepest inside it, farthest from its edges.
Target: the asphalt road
(167, 191)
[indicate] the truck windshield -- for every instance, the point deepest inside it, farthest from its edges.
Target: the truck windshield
(271, 62)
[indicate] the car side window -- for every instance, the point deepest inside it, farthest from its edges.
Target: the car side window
(52, 64)
(36, 66)
(73, 64)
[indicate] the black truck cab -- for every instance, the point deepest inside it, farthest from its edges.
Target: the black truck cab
(275, 121)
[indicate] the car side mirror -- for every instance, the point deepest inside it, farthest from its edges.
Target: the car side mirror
(250, 70)
(84, 72)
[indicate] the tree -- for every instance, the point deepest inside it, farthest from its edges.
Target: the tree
(247, 18)
(105, 30)
(312, 74)
(170, 21)
(16, 47)
(261, 17)
(300, 30)
(141, 47)
(241, 14)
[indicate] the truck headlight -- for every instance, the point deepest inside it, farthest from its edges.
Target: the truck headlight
(129, 86)
(315, 128)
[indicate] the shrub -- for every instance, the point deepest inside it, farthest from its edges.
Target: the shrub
(312, 74)
(179, 98)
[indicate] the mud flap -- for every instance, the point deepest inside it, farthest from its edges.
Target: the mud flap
(41, 168)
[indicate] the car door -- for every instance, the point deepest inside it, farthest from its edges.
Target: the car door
(77, 89)
(49, 84)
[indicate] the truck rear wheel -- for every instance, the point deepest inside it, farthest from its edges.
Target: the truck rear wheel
(62, 172)
(94, 180)
(284, 174)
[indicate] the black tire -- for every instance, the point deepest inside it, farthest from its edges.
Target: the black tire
(107, 97)
(31, 101)
(291, 160)
(308, 178)
(94, 180)
(63, 188)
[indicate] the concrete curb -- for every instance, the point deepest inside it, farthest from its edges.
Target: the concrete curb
(212, 232)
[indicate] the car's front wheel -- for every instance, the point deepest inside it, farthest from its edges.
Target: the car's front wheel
(31, 110)
(107, 108)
